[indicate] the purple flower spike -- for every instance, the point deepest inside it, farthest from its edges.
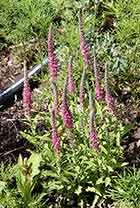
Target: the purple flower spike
(94, 143)
(52, 59)
(99, 91)
(71, 84)
(27, 94)
(110, 102)
(56, 142)
(66, 113)
(84, 47)
(82, 89)
(55, 137)
(56, 101)
(93, 140)
(67, 116)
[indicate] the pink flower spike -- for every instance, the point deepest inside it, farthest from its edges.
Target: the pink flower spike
(84, 47)
(110, 102)
(56, 101)
(67, 116)
(93, 140)
(94, 143)
(55, 142)
(66, 113)
(82, 88)
(99, 91)
(27, 94)
(55, 137)
(71, 84)
(52, 59)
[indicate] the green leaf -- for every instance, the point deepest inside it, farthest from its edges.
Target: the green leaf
(54, 185)
(94, 190)
(64, 179)
(110, 169)
(77, 169)
(118, 139)
(79, 190)
(124, 164)
(50, 173)
(35, 160)
(2, 186)
(95, 201)
(20, 160)
(99, 109)
(107, 181)
(68, 174)
(100, 181)
(104, 150)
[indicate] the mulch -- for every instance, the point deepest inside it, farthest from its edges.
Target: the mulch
(11, 141)
(9, 70)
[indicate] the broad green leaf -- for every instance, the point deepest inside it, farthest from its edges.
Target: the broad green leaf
(35, 160)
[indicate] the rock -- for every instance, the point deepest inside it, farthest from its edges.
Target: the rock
(137, 134)
(131, 146)
(138, 143)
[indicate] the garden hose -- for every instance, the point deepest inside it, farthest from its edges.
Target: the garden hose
(12, 89)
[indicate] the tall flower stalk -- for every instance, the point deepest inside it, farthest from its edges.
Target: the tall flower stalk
(98, 89)
(66, 113)
(94, 143)
(55, 97)
(108, 97)
(55, 136)
(52, 59)
(84, 46)
(82, 89)
(82, 97)
(27, 94)
(71, 84)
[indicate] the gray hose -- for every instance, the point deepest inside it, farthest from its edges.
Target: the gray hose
(10, 91)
